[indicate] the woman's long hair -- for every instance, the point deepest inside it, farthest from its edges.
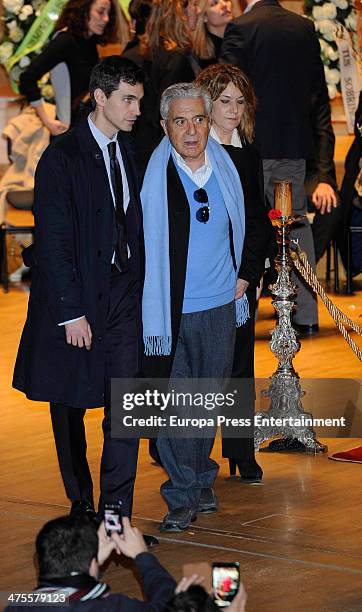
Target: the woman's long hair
(203, 47)
(166, 28)
(214, 79)
(75, 15)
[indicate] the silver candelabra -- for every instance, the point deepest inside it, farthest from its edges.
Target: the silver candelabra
(285, 391)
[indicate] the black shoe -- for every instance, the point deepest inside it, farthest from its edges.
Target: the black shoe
(305, 331)
(249, 471)
(150, 540)
(86, 507)
(178, 519)
(208, 501)
(284, 445)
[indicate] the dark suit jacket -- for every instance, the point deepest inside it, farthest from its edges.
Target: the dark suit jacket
(321, 168)
(257, 235)
(280, 53)
(75, 234)
(348, 191)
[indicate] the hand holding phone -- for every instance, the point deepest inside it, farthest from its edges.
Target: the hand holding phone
(113, 518)
(225, 582)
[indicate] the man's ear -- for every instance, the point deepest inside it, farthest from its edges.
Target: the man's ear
(164, 126)
(99, 97)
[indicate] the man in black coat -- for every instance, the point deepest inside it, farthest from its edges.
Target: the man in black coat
(84, 317)
(280, 53)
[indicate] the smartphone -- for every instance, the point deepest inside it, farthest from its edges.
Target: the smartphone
(225, 582)
(113, 518)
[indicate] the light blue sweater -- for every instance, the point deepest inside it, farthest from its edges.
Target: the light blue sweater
(210, 275)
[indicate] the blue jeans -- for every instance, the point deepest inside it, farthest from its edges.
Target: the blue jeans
(205, 349)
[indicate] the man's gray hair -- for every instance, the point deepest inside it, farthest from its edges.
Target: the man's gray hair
(183, 90)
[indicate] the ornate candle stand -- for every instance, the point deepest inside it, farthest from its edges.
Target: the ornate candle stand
(284, 390)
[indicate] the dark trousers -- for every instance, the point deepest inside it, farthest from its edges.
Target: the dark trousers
(123, 342)
(204, 350)
(324, 228)
(242, 449)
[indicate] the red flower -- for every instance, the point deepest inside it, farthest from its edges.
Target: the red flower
(274, 213)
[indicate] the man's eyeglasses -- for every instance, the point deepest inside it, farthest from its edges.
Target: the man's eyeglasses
(203, 213)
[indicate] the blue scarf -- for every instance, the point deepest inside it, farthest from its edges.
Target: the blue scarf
(156, 303)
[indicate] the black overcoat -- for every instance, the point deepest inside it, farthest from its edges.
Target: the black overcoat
(75, 234)
(280, 53)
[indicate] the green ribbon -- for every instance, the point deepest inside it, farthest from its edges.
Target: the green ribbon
(124, 6)
(40, 31)
(37, 35)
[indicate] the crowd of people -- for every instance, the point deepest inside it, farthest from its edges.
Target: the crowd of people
(152, 237)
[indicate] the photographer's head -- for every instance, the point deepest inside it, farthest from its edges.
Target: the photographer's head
(195, 599)
(66, 545)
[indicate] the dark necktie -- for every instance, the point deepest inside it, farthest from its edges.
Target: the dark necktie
(121, 259)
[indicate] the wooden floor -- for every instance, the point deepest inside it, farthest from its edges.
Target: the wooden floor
(298, 536)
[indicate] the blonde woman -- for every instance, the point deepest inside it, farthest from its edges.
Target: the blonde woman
(214, 16)
(233, 114)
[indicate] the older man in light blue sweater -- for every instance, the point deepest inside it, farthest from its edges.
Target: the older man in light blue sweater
(194, 225)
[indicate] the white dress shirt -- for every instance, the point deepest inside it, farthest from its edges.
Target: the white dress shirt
(235, 138)
(250, 6)
(201, 175)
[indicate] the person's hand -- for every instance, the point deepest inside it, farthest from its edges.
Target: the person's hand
(78, 333)
(185, 583)
(241, 287)
(56, 127)
(106, 545)
(239, 602)
(130, 542)
(324, 198)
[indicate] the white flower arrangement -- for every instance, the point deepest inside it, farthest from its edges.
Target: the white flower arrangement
(25, 12)
(24, 62)
(327, 28)
(13, 6)
(341, 4)
(325, 11)
(351, 22)
(16, 34)
(332, 91)
(18, 17)
(6, 51)
(327, 16)
(333, 75)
